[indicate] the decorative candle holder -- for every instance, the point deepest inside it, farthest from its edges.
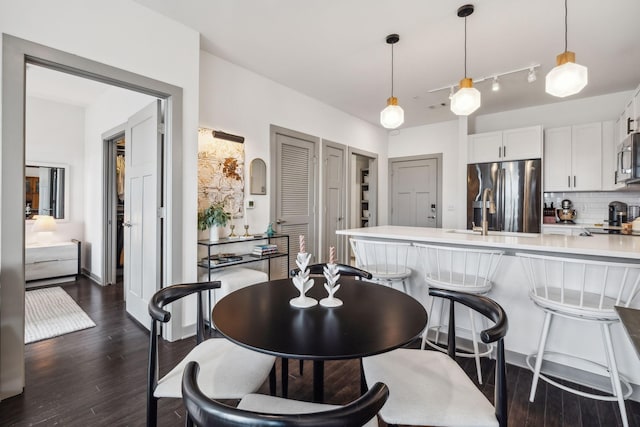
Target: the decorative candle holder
(246, 230)
(232, 234)
(331, 274)
(302, 282)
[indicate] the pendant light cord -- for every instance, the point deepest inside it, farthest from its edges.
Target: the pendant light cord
(392, 69)
(566, 13)
(465, 47)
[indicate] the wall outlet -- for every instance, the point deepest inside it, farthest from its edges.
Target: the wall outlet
(250, 204)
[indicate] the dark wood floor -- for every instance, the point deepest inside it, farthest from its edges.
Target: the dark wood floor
(97, 377)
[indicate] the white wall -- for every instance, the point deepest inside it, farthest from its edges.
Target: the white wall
(241, 102)
(570, 112)
(55, 136)
(111, 109)
(432, 139)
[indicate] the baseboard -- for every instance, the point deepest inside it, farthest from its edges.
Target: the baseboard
(97, 280)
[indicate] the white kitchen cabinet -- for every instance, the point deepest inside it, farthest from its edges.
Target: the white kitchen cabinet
(609, 157)
(628, 123)
(506, 145)
(573, 158)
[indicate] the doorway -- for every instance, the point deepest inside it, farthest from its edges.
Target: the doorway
(334, 199)
(114, 159)
(294, 186)
(362, 196)
(415, 190)
(17, 53)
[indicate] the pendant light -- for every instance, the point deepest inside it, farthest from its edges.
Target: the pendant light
(467, 99)
(393, 115)
(566, 78)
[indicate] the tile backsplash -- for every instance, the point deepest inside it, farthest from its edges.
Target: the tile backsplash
(592, 208)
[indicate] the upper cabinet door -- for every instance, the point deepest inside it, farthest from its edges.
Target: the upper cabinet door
(484, 147)
(586, 157)
(636, 107)
(522, 143)
(557, 159)
(507, 145)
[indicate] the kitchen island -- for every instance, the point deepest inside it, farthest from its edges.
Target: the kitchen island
(511, 291)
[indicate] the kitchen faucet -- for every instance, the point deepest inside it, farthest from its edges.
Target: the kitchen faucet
(486, 194)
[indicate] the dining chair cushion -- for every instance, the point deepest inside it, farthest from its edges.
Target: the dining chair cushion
(227, 371)
(278, 405)
(427, 388)
(234, 278)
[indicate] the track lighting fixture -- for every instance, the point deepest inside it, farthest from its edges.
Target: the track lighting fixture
(495, 86)
(532, 77)
(567, 78)
(467, 99)
(393, 115)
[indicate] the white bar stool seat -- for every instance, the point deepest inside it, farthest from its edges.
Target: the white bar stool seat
(581, 290)
(386, 261)
(461, 270)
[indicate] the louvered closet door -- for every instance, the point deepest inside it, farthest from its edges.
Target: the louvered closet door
(295, 188)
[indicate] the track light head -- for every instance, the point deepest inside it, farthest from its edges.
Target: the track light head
(495, 86)
(532, 77)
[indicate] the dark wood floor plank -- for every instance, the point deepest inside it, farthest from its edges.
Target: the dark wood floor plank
(97, 377)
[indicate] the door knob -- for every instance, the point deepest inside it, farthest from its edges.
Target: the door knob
(126, 224)
(280, 221)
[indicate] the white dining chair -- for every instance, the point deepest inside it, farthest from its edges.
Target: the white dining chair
(228, 370)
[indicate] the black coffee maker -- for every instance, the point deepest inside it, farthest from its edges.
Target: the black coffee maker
(617, 215)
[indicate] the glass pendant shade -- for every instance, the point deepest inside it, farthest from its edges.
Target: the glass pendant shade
(466, 100)
(393, 115)
(567, 78)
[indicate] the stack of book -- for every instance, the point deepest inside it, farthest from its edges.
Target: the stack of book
(263, 250)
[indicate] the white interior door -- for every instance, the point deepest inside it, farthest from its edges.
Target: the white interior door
(295, 190)
(142, 203)
(334, 189)
(414, 193)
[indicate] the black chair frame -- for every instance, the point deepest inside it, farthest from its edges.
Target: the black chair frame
(203, 411)
(159, 315)
(343, 269)
(495, 334)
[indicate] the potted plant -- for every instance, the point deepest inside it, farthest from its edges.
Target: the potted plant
(214, 218)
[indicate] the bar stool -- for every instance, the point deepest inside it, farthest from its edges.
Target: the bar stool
(582, 290)
(462, 270)
(386, 261)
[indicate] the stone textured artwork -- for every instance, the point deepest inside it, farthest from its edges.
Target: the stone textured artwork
(220, 172)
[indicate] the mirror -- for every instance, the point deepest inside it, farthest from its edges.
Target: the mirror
(258, 177)
(44, 191)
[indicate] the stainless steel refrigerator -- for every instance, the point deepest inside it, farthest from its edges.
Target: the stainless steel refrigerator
(517, 188)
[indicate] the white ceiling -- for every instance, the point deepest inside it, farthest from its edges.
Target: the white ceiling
(335, 50)
(61, 87)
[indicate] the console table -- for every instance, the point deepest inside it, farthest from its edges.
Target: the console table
(245, 258)
(54, 262)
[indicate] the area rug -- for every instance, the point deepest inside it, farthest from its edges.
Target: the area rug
(50, 312)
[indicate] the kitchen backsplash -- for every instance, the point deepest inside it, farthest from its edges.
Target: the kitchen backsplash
(592, 208)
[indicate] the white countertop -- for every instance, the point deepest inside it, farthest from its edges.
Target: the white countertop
(602, 245)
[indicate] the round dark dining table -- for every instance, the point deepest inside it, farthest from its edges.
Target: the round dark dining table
(373, 319)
